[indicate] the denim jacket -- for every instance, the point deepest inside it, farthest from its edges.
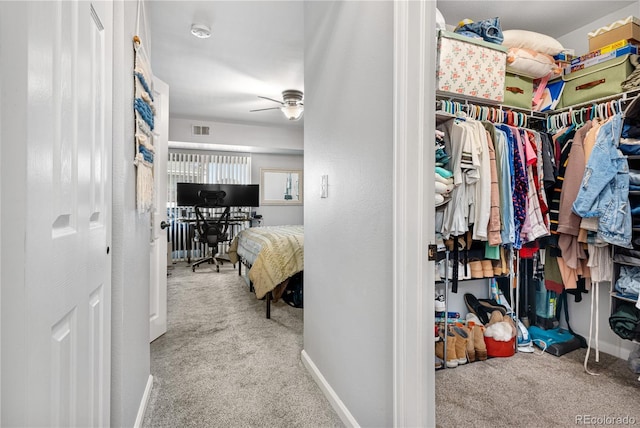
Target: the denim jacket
(604, 191)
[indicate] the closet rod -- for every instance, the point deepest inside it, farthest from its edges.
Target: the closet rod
(465, 102)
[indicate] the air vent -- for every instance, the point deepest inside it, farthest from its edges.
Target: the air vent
(199, 130)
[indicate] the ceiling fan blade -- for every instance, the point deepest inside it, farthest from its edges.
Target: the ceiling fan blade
(271, 99)
(263, 109)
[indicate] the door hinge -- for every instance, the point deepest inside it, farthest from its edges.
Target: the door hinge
(432, 251)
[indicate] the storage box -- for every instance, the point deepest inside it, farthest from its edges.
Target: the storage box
(598, 81)
(496, 348)
(629, 31)
(518, 91)
(470, 68)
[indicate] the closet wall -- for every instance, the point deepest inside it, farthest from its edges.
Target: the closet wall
(579, 312)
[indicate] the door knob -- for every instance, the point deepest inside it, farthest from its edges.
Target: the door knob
(164, 225)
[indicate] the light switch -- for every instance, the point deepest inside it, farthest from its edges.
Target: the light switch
(324, 193)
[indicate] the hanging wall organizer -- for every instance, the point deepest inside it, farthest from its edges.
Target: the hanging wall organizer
(144, 111)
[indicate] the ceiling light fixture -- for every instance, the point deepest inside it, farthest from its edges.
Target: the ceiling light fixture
(201, 31)
(292, 107)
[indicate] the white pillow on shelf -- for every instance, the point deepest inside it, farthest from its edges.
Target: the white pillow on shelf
(531, 40)
(530, 63)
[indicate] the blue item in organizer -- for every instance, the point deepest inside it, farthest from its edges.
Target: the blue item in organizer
(443, 172)
(455, 315)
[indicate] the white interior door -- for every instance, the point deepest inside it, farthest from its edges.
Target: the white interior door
(158, 276)
(59, 359)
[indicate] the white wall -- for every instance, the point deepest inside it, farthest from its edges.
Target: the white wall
(130, 351)
(13, 167)
(348, 322)
(579, 313)
(278, 214)
(579, 39)
(266, 137)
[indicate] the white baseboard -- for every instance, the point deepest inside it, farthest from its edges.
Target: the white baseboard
(143, 403)
(337, 404)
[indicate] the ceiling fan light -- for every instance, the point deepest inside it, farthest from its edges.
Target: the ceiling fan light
(201, 31)
(292, 112)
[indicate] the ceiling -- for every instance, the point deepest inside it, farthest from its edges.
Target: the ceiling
(257, 48)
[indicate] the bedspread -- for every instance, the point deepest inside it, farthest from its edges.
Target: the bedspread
(275, 253)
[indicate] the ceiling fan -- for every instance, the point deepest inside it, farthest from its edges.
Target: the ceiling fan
(291, 104)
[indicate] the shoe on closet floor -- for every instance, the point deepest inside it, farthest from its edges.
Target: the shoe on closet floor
(471, 352)
(472, 319)
(451, 358)
(461, 344)
(478, 343)
(474, 306)
(491, 305)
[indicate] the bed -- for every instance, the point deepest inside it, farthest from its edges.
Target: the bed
(273, 254)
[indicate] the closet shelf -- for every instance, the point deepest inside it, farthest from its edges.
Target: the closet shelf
(626, 299)
(461, 100)
(623, 263)
(468, 280)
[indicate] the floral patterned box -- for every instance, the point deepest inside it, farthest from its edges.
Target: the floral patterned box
(470, 68)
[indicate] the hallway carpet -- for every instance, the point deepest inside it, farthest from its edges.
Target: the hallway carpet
(223, 364)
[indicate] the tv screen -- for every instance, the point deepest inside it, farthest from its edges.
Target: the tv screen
(236, 195)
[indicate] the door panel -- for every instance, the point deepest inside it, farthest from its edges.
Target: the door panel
(66, 309)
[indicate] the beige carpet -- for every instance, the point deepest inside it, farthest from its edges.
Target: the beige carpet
(529, 390)
(223, 364)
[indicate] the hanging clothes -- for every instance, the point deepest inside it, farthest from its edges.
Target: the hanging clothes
(504, 163)
(482, 204)
(494, 227)
(518, 182)
(568, 221)
(563, 140)
(534, 226)
(604, 191)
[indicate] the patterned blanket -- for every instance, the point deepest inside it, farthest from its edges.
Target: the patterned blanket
(280, 256)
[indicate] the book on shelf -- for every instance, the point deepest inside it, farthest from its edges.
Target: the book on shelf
(628, 49)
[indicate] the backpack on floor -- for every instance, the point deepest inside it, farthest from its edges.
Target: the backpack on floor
(292, 294)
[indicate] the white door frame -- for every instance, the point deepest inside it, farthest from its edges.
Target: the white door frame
(158, 246)
(414, 127)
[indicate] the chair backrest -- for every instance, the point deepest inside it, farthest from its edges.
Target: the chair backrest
(212, 230)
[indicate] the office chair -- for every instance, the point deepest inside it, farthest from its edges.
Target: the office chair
(211, 231)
